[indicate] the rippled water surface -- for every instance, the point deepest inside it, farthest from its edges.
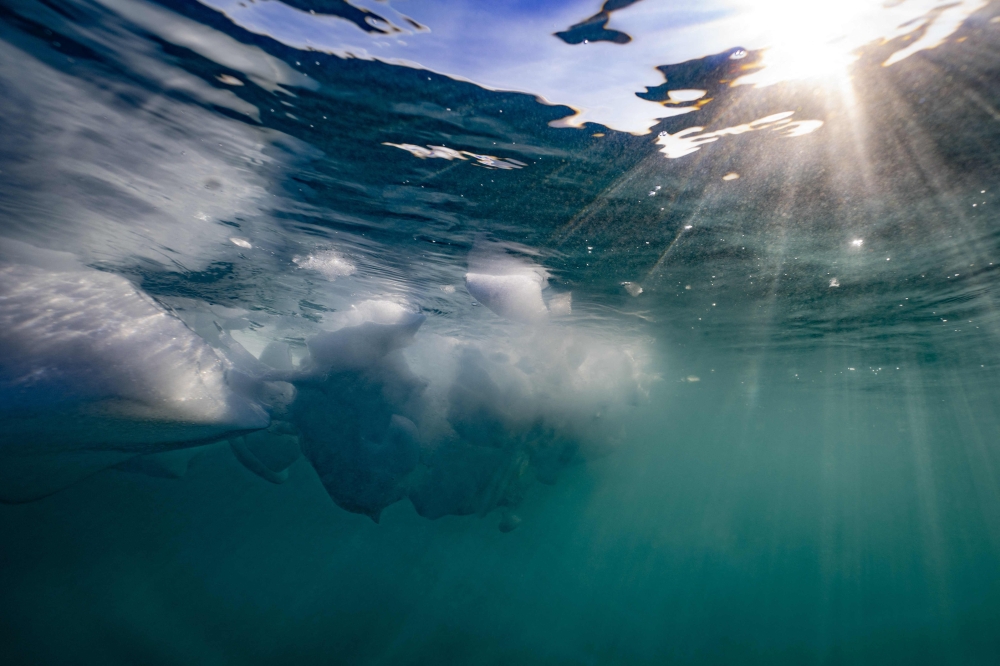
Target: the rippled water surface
(417, 332)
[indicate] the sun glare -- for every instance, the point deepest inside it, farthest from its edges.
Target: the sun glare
(805, 40)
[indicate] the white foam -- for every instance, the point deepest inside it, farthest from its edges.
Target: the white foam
(561, 304)
(379, 312)
(329, 264)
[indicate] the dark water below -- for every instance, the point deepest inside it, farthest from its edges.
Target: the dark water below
(290, 327)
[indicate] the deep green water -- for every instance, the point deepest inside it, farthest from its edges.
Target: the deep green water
(783, 450)
(829, 525)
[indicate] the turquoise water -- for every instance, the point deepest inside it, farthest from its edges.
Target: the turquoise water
(418, 333)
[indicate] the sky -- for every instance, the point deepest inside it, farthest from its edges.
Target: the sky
(511, 46)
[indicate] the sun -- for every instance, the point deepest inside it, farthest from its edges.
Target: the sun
(805, 40)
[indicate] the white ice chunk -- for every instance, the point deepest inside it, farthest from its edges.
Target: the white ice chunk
(502, 278)
(369, 330)
(517, 297)
(82, 347)
(359, 347)
(633, 288)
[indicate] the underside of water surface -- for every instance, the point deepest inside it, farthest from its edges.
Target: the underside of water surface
(409, 332)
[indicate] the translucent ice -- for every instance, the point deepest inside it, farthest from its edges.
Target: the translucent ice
(508, 285)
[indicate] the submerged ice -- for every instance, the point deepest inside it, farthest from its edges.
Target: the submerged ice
(511, 286)
(84, 346)
(106, 363)
(382, 412)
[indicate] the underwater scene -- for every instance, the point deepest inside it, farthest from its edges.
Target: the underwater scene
(567, 332)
